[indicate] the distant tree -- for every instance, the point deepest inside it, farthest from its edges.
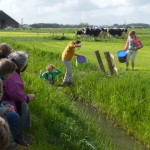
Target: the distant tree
(83, 25)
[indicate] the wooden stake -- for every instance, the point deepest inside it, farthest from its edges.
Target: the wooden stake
(100, 63)
(109, 63)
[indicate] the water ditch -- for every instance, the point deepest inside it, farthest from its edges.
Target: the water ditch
(116, 135)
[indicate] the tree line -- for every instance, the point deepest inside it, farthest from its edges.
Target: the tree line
(56, 25)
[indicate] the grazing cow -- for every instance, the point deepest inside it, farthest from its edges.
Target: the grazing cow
(80, 31)
(88, 31)
(96, 32)
(92, 32)
(117, 32)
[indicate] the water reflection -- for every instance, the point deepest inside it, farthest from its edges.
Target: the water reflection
(116, 135)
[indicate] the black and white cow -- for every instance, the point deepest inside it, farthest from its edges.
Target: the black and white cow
(80, 31)
(117, 32)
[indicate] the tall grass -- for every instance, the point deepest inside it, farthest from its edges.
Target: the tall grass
(56, 122)
(124, 97)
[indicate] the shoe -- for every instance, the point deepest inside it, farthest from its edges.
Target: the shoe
(64, 84)
(19, 140)
(126, 69)
(69, 83)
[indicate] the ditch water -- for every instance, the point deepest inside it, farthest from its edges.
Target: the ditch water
(116, 135)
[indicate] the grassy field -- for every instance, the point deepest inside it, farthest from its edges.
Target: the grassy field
(124, 97)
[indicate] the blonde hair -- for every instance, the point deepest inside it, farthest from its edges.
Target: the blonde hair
(50, 65)
(5, 50)
(4, 134)
(7, 67)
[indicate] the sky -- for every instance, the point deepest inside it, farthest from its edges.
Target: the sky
(93, 12)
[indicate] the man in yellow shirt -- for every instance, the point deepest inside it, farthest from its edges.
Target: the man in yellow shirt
(67, 55)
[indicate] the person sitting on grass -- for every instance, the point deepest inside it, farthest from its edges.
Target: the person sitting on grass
(14, 93)
(50, 73)
(7, 111)
(5, 50)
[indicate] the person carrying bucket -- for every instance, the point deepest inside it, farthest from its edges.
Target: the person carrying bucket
(131, 43)
(67, 55)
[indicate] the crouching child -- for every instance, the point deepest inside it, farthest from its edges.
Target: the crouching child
(50, 73)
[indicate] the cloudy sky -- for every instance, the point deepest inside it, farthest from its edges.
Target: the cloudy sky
(93, 12)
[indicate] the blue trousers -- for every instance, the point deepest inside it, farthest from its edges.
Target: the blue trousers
(13, 119)
(25, 122)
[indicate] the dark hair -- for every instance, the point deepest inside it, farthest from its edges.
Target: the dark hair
(6, 67)
(5, 50)
(77, 42)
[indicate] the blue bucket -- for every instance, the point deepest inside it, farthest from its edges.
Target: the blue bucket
(80, 61)
(122, 55)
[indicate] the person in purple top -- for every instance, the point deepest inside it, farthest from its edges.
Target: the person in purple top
(14, 94)
(7, 111)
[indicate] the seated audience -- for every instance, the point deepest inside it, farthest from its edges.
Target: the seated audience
(14, 94)
(7, 111)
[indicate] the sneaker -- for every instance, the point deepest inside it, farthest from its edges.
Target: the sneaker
(126, 69)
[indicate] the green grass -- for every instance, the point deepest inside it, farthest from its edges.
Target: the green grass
(124, 97)
(56, 122)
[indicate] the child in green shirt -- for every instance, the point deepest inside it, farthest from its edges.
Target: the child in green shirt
(50, 73)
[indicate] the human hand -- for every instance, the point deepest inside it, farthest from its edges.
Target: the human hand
(53, 67)
(79, 45)
(31, 96)
(9, 108)
(12, 50)
(41, 71)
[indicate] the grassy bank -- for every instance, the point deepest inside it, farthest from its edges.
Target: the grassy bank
(56, 122)
(124, 97)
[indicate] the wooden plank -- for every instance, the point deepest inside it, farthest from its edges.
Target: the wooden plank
(99, 60)
(109, 63)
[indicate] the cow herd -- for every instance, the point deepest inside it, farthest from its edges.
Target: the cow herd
(104, 33)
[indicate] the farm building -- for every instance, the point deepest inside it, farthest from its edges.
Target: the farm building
(7, 21)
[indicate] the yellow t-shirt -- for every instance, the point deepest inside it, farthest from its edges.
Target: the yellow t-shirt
(69, 51)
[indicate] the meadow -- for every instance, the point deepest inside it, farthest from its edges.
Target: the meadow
(56, 122)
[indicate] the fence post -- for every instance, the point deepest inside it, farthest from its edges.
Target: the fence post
(109, 63)
(99, 60)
